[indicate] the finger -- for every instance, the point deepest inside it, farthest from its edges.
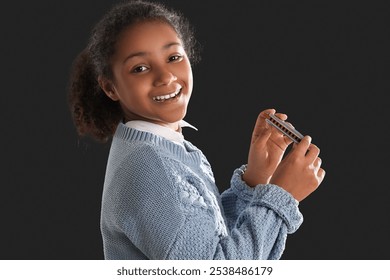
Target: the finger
(302, 147)
(321, 174)
(264, 114)
(312, 153)
(287, 140)
(261, 124)
(317, 163)
(281, 116)
(281, 141)
(288, 123)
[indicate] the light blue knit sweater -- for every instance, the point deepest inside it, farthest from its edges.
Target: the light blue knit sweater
(160, 201)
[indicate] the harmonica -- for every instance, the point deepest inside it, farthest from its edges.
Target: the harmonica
(284, 128)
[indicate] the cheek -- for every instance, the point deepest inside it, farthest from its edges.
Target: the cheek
(132, 89)
(188, 77)
(190, 85)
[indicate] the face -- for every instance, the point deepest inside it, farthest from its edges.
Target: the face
(152, 74)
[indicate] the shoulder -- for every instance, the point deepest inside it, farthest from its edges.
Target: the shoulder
(137, 175)
(138, 159)
(135, 161)
(134, 146)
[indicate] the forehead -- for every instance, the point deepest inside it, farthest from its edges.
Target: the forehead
(146, 36)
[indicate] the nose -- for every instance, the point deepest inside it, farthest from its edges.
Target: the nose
(164, 77)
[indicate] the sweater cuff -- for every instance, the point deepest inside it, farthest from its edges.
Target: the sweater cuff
(239, 187)
(281, 202)
(270, 196)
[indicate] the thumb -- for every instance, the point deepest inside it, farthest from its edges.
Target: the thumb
(303, 146)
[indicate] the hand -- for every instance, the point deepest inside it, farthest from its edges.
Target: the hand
(300, 172)
(266, 150)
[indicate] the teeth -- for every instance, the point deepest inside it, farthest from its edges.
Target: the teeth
(162, 98)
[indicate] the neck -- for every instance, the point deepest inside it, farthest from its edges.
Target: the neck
(174, 126)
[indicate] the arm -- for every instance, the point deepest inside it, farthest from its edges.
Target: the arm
(298, 174)
(176, 217)
(276, 213)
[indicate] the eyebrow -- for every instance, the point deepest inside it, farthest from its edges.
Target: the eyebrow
(165, 47)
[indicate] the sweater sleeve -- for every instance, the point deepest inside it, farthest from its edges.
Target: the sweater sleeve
(172, 216)
(240, 196)
(267, 210)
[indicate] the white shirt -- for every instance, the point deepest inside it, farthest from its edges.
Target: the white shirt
(163, 131)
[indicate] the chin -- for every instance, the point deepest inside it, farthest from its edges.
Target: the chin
(175, 116)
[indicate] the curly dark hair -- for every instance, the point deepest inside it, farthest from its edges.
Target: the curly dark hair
(93, 112)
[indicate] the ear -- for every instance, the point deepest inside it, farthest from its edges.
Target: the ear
(108, 87)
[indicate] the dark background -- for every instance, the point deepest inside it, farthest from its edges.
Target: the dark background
(324, 63)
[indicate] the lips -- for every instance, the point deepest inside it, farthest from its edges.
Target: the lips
(166, 97)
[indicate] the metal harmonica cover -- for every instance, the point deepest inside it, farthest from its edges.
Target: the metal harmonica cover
(284, 128)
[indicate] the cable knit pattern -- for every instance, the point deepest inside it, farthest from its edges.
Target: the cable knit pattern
(160, 201)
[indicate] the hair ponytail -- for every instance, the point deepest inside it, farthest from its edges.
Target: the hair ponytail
(93, 112)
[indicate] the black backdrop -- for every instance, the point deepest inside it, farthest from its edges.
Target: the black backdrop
(324, 63)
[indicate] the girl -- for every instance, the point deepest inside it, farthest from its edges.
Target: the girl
(133, 83)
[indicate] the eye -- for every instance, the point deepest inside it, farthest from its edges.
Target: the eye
(176, 57)
(139, 69)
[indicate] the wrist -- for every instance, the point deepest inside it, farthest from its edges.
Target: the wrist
(252, 178)
(248, 178)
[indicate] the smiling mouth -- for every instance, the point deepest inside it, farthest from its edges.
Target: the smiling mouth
(163, 98)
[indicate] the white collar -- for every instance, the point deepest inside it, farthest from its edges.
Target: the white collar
(163, 131)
